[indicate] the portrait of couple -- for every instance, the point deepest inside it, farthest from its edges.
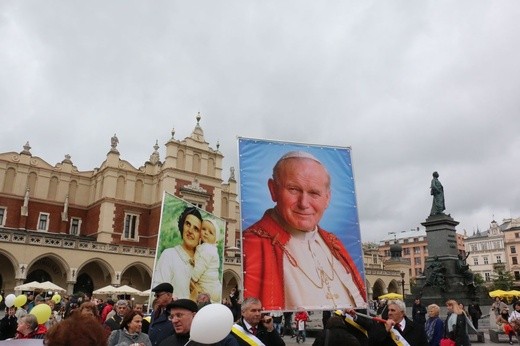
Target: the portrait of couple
(189, 250)
(300, 227)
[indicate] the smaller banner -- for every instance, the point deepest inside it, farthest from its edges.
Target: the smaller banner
(190, 250)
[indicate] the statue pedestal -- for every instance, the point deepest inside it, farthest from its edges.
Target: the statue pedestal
(446, 276)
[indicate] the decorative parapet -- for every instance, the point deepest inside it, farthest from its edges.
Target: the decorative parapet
(70, 242)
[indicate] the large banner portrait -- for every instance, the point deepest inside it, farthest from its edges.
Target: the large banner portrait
(190, 249)
(301, 242)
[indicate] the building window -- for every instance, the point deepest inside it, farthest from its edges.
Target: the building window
(131, 226)
(514, 260)
(405, 241)
(499, 259)
(517, 275)
(487, 276)
(486, 260)
(238, 243)
(473, 247)
(517, 235)
(387, 253)
(43, 222)
(513, 249)
(2, 216)
(417, 260)
(406, 251)
(416, 250)
(475, 261)
(418, 272)
(75, 226)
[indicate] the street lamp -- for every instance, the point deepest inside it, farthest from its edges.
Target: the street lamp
(402, 281)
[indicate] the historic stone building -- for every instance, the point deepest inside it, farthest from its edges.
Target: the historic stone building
(84, 230)
(511, 229)
(486, 251)
(415, 248)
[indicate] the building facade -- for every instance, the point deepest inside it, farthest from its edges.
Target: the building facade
(485, 250)
(84, 230)
(511, 229)
(414, 248)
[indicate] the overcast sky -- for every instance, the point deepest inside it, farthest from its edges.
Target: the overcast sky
(411, 86)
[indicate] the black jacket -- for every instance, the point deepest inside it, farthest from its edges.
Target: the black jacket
(268, 338)
(8, 326)
(413, 333)
(459, 333)
(338, 335)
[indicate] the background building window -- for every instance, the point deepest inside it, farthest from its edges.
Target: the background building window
(417, 260)
(406, 251)
(517, 275)
(131, 226)
(43, 222)
(416, 250)
(514, 260)
(499, 259)
(513, 249)
(475, 261)
(75, 226)
(2, 216)
(486, 260)
(487, 276)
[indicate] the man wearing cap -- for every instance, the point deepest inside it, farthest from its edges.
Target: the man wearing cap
(114, 322)
(290, 262)
(253, 328)
(181, 313)
(160, 327)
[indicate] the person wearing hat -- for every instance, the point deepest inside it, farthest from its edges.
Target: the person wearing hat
(181, 313)
(160, 327)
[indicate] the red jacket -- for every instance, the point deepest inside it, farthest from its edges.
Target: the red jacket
(39, 333)
(264, 247)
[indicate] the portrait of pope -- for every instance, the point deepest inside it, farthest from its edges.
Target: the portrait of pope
(290, 260)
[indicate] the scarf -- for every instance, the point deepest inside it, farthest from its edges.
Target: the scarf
(430, 327)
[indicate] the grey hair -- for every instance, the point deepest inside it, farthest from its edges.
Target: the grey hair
(31, 321)
(248, 302)
(122, 303)
(400, 304)
(296, 155)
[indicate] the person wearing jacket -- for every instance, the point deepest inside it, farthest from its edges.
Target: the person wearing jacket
(338, 334)
(253, 329)
(28, 328)
(130, 332)
(455, 326)
(8, 324)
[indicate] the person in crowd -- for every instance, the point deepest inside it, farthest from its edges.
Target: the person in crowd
(396, 327)
(514, 319)
(109, 306)
(8, 324)
(475, 313)
(301, 318)
(382, 309)
(114, 322)
(28, 328)
(203, 299)
(175, 264)
(434, 326)
(206, 277)
(277, 320)
(287, 323)
(78, 330)
(145, 324)
(497, 306)
(130, 332)
(252, 328)
(418, 312)
(54, 318)
(181, 313)
(160, 327)
(338, 333)
(22, 310)
(278, 269)
(503, 324)
(88, 309)
(455, 326)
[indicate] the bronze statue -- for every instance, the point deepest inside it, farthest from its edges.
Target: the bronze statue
(437, 191)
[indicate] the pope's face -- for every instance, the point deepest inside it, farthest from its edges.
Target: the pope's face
(301, 192)
(191, 231)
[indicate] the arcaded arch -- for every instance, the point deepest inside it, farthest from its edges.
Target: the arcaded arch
(379, 288)
(137, 275)
(100, 271)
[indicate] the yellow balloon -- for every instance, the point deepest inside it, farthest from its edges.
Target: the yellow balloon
(20, 300)
(42, 312)
(1, 298)
(148, 318)
(56, 298)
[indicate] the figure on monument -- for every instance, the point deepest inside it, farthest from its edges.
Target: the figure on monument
(463, 269)
(435, 275)
(114, 141)
(437, 191)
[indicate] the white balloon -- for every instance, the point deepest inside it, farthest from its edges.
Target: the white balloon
(9, 300)
(211, 324)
